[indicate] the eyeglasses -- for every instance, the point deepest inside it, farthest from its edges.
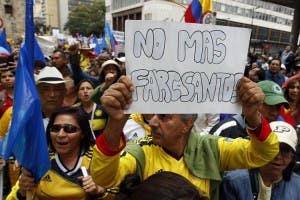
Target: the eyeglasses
(68, 128)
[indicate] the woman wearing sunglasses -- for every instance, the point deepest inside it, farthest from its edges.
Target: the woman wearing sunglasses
(70, 140)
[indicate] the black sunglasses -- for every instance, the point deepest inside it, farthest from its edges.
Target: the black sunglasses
(68, 128)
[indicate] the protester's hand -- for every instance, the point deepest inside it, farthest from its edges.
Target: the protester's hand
(251, 97)
(26, 182)
(117, 98)
(90, 186)
(109, 79)
(74, 49)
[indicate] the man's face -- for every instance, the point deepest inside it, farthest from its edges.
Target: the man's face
(270, 112)
(280, 162)
(169, 130)
(275, 66)
(58, 60)
(51, 96)
(7, 79)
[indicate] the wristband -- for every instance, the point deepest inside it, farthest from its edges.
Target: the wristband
(253, 128)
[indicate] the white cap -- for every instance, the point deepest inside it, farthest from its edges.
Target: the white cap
(285, 133)
(50, 75)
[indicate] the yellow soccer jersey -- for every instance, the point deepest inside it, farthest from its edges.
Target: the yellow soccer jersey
(109, 170)
(58, 183)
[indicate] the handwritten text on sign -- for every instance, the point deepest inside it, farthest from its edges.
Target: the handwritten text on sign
(184, 68)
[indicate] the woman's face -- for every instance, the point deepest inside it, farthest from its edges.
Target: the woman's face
(85, 91)
(66, 135)
(294, 90)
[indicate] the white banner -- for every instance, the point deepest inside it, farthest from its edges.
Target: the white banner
(185, 68)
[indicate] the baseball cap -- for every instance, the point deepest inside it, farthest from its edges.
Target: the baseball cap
(121, 59)
(50, 75)
(104, 65)
(285, 133)
(273, 93)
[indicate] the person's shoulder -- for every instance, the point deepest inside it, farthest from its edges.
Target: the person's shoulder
(295, 178)
(240, 174)
(231, 127)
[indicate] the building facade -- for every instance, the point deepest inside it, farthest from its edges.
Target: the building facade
(54, 13)
(270, 23)
(12, 14)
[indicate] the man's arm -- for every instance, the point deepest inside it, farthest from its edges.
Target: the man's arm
(263, 145)
(251, 97)
(115, 100)
(107, 168)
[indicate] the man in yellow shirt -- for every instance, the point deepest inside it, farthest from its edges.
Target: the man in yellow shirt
(173, 147)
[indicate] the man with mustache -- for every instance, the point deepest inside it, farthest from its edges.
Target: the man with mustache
(173, 147)
(51, 88)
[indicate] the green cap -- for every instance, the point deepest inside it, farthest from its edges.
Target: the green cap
(273, 93)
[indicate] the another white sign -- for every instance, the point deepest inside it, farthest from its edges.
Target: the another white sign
(185, 68)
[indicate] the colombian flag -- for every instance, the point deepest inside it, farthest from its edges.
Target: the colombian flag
(196, 9)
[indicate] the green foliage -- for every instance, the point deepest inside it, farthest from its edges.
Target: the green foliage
(87, 19)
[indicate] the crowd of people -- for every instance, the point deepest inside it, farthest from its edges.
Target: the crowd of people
(248, 155)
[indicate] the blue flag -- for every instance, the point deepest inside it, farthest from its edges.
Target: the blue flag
(109, 35)
(103, 43)
(97, 48)
(3, 41)
(38, 53)
(27, 139)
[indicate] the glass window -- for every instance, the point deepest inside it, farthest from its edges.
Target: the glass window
(223, 8)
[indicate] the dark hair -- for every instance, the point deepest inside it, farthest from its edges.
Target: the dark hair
(287, 172)
(83, 122)
(7, 65)
(85, 80)
(39, 64)
(162, 185)
(121, 54)
(276, 59)
(60, 51)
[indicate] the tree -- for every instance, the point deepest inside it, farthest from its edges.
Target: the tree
(87, 19)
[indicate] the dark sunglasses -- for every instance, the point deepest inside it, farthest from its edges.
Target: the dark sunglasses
(68, 128)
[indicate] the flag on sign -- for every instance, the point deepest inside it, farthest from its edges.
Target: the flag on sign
(196, 10)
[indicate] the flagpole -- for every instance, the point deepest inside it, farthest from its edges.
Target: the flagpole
(29, 41)
(29, 33)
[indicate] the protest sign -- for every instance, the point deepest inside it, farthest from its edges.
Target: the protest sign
(185, 68)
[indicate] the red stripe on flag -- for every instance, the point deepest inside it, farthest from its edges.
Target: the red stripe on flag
(188, 16)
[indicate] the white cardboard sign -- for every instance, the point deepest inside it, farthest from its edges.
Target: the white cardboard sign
(184, 68)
